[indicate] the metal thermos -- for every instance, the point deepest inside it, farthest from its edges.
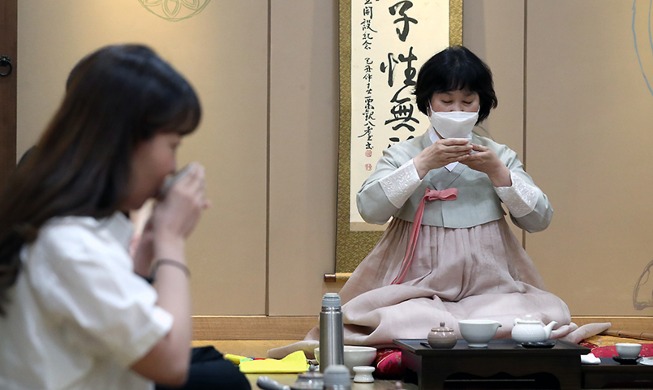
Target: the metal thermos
(331, 332)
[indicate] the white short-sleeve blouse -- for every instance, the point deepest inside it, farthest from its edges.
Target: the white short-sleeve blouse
(79, 316)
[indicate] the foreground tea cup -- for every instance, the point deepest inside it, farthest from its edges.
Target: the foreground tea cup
(478, 333)
(628, 350)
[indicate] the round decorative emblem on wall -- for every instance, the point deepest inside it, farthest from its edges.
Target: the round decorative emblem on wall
(174, 10)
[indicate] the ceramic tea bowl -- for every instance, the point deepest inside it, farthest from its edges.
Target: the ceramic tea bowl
(478, 333)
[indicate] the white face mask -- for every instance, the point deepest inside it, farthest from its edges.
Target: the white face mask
(454, 124)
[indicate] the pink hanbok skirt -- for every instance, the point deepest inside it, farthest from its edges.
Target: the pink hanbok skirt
(474, 273)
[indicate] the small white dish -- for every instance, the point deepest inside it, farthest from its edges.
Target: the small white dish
(647, 361)
(590, 358)
(363, 374)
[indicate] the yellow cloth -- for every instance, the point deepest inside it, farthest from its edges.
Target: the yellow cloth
(293, 363)
(236, 359)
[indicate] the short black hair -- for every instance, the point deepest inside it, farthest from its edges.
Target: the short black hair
(456, 68)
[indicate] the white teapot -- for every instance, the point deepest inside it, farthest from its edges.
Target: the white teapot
(529, 330)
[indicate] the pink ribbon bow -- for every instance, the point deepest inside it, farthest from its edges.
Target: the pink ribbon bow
(429, 195)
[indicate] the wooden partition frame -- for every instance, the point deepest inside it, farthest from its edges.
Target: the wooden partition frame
(295, 328)
(8, 87)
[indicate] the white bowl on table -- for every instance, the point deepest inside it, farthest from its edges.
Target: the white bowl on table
(354, 356)
(478, 333)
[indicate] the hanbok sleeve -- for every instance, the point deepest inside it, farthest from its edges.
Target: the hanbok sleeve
(399, 185)
(386, 190)
(528, 205)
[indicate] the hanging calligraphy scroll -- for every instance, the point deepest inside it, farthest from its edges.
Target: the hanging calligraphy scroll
(383, 43)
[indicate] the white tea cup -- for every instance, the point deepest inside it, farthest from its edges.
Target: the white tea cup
(628, 350)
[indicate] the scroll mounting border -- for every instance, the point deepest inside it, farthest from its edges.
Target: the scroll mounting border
(353, 246)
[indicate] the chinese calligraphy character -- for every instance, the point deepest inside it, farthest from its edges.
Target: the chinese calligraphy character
(401, 8)
(403, 108)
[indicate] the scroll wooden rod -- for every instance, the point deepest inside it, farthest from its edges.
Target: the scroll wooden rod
(337, 277)
(629, 334)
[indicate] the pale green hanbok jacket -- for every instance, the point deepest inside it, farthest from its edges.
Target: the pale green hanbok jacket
(478, 200)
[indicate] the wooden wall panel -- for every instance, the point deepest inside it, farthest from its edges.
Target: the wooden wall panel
(8, 90)
(223, 51)
(588, 133)
(573, 103)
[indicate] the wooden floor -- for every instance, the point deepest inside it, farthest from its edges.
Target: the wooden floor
(250, 348)
(288, 379)
(259, 348)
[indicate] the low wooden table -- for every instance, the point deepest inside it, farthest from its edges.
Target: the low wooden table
(610, 375)
(503, 364)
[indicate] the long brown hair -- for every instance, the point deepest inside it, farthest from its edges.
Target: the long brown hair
(116, 97)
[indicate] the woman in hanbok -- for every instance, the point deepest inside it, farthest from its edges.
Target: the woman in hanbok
(448, 253)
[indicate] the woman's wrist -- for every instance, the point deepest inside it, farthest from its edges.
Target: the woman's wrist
(419, 167)
(501, 177)
(165, 262)
(170, 248)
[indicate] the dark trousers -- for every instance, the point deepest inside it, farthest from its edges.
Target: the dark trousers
(209, 370)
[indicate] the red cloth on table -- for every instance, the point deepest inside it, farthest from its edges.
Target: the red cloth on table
(609, 351)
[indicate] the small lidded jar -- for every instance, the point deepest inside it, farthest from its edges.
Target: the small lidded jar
(442, 337)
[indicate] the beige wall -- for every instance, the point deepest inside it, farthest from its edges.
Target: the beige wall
(569, 71)
(572, 103)
(589, 128)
